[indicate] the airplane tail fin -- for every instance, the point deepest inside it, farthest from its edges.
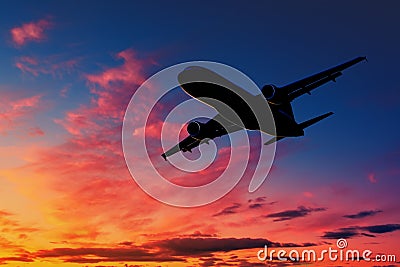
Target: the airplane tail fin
(312, 121)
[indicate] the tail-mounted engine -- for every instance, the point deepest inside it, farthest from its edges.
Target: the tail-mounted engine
(195, 128)
(273, 95)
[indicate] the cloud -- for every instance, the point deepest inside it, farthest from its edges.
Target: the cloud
(64, 90)
(32, 31)
(4, 213)
(308, 194)
(130, 72)
(259, 202)
(14, 110)
(35, 131)
(380, 229)
(18, 258)
(207, 246)
(292, 214)
(87, 171)
(13, 232)
(54, 65)
(165, 250)
(95, 255)
(229, 210)
(256, 205)
(260, 199)
(111, 91)
(341, 233)
(198, 234)
(353, 231)
(362, 214)
(372, 178)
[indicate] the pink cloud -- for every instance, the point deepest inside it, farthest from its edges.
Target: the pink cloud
(372, 178)
(88, 169)
(14, 111)
(64, 90)
(35, 131)
(130, 72)
(112, 90)
(53, 65)
(308, 194)
(24, 103)
(78, 122)
(32, 31)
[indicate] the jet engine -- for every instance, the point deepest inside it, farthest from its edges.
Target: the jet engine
(195, 128)
(272, 94)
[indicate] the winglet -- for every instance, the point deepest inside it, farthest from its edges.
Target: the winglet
(164, 156)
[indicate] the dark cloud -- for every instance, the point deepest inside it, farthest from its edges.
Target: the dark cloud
(383, 228)
(349, 232)
(291, 214)
(199, 234)
(207, 246)
(256, 205)
(94, 255)
(340, 233)
(167, 250)
(362, 214)
(260, 199)
(20, 258)
(211, 261)
(126, 243)
(229, 210)
(259, 202)
(200, 246)
(369, 235)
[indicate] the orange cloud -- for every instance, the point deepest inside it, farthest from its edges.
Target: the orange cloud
(88, 169)
(32, 31)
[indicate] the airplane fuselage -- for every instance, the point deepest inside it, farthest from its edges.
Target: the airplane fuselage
(238, 106)
(232, 104)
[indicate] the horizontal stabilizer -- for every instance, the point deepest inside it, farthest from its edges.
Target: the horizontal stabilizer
(308, 123)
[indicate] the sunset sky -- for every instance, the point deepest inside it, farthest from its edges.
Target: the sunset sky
(68, 70)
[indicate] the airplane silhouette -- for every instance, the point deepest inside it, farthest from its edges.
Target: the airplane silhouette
(237, 109)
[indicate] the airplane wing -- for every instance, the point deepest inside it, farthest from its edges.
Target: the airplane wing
(305, 85)
(214, 129)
